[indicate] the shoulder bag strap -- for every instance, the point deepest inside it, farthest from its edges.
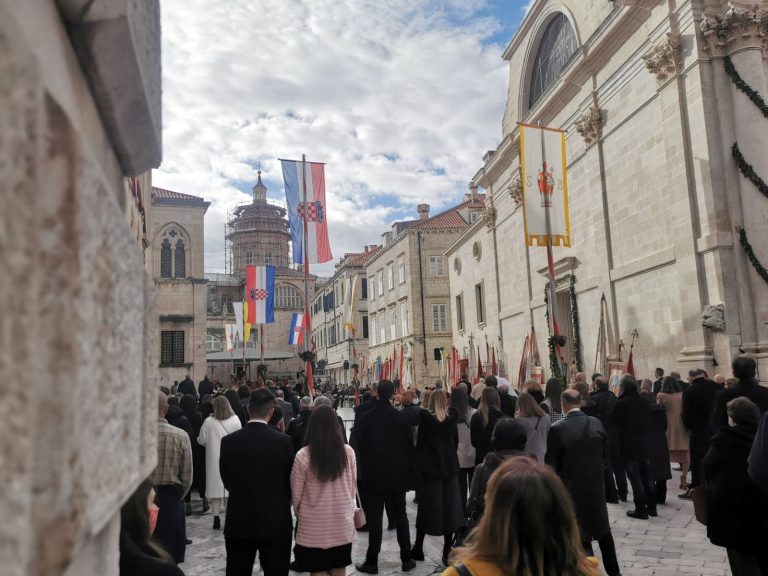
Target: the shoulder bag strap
(462, 569)
(534, 430)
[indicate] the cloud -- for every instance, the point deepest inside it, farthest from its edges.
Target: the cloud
(400, 98)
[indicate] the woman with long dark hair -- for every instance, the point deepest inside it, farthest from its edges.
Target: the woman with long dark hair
(482, 422)
(236, 405)
(323, 486)
(551, 404)
(536, 424)
(465, 451)
(440, 512)
(139, 555)
(188, 405)
(529, 527)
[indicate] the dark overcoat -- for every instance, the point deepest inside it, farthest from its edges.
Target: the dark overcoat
(577, 448)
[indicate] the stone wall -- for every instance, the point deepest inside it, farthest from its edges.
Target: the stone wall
(77, 330)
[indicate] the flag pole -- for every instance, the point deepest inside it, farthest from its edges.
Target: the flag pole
(600, 343)
(305, 253)
(261, 342)
(550, 259)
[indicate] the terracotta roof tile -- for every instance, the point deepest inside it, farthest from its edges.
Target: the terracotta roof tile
(163, 194)
(360, 258)
(451, 218)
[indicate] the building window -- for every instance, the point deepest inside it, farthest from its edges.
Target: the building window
(477, 251)
(403, 320)
(365, 326)
(558, 45)
(172, 347)
(180, 260)
(382, 328)
(439, 318)
(480, 302)
(393, 325)
(373, 331)
(401, 272)
(436, 266)
(288, 296)
(474, 216)
(460, 312)
(381, 282)
(372, 284)
(212, 343)
(249, 258)
(364, 288)
(390, 278)
(268, 258)
(165, 259)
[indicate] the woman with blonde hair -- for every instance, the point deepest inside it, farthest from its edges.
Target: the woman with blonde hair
(223, 421)
(528, 529)
(482, 422)
(437, 471)
(425, 397)
(536, 423)
(671, 398)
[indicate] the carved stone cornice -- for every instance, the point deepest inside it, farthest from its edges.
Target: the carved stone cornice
(490, 212)
(735, 29)
(663, 60)
(590, 125)
(516, 191)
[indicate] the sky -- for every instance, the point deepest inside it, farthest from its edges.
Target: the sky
(401, 99)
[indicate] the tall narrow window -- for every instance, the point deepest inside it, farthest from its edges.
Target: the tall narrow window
(365, 326)
(180, 260)
(393, 325)
(249, 258)
(372, 285)
(381, 282)
(172, 347)
(403, 320)
(460, 312)
(364, 288)
(383, 328)
(165, 259)
(401, 272)
(436, 266)
(480, 302)
(372, 322)
(439, 318)
(557, 47)
(390, 278)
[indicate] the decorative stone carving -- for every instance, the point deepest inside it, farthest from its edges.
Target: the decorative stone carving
(736, 28)
(490, 212)
(590, 125)
(516, 191)
(713, 317)
(663, 59)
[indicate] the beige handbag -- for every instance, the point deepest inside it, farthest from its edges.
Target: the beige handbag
(359, 513)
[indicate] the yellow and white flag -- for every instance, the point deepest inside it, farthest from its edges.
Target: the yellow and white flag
(238, 308)
(230, 331)
(545, 186)
(349, 305)
(246, 324)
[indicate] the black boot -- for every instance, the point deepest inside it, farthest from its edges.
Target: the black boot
(641, 513)
(216, 523)
(206, 506)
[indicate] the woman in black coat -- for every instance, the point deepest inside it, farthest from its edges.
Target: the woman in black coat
(658, 450)
(733, 520)
(482, 423)
(437, 471)
(189, 407)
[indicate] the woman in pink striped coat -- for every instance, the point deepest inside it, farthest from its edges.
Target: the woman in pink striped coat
(323, 486)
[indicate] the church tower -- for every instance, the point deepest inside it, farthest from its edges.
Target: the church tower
(258, 233)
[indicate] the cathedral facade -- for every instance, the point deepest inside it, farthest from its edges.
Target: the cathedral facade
(663, 105)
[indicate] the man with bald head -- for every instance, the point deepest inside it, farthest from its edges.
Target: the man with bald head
(577, 448)
(172, 478)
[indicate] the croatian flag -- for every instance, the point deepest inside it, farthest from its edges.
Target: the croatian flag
(296, 335)
(260, 293)
(314, 210)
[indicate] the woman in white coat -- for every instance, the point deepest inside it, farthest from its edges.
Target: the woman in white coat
(223, 421)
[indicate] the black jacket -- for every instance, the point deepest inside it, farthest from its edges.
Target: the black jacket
(359, 410)
(385, 449)
(606, 400)
(436, 447)
(175, 417)
(631, 418)
(508, 404)
(733, 519)
(186, 386)
(592, 408)
(577, 448)
(758, 456)
(483, 472)
(658, 450)
(749, 388)
(481, 436)
(698, 403)
(298, 428)
(255, 465)
(205, 387)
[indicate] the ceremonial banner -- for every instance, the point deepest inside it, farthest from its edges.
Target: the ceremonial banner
(313, 210)
(238, 308)
(296, 335)
(349, 306)
(246, 323)
(545, 186)
(260, 293)
(230, 331)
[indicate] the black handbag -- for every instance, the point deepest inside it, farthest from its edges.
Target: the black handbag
(475, 510)
(461, 569)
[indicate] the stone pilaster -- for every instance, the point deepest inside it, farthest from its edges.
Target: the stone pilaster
(590, 125)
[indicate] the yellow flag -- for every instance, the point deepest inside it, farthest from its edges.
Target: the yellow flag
(246, 324)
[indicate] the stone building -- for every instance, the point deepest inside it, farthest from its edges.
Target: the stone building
(653, 96)
(331, 307)
(257, 234)
(177, 264)
(408, 289)
(79, 132)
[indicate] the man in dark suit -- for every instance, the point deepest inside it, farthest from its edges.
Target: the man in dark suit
(615, 475)
(659, 381)
(632, 419)
(385, 458)
(577, 448)
(507, 403)
(745, 369)
(187, 386)
(698, 403)
(255, 465)
(205, 386)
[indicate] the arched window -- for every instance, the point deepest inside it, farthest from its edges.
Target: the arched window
(165, 259)
(287, 296)
(557, 47)
(180, 268)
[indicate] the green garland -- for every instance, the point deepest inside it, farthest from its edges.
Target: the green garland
(552, 342)
(575, 324)
(738, 81)
(748, 171)
(758, 266)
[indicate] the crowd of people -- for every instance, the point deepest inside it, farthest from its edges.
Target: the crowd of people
(510, 481)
